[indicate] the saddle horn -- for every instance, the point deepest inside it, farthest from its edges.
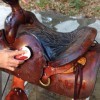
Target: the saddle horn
(15, 19)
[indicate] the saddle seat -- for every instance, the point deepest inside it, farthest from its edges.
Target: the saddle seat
(62, 48)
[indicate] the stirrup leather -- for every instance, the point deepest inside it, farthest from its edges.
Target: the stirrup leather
(67, 69)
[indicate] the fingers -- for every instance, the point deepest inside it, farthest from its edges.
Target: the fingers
(10, 68)
(16, 52)
(8, 60)
(15, 62)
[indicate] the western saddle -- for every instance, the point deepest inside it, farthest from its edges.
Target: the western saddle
(58, 58)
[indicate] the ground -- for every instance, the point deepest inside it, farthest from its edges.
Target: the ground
(88, 8)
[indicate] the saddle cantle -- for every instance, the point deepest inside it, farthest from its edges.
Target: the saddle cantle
(64, 63)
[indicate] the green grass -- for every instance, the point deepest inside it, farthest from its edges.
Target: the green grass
(77, 4)
(97, 8)
(43, 3)
(97, 11)
(72, 12)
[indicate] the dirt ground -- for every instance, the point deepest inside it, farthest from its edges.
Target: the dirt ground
(88, 8)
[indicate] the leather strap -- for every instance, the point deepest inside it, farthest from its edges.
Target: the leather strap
(79, 74)
(49, 71)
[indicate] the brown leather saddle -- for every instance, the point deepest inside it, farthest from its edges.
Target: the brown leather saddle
(64, 63)
(66, 55)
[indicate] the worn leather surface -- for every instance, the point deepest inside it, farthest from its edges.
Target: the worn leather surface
(63, 84)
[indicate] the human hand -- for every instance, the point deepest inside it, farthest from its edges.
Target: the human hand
(8, 61)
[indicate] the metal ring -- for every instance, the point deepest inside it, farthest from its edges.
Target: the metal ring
(48, 83)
